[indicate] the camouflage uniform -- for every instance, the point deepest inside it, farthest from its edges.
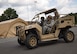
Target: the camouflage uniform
(47, 25)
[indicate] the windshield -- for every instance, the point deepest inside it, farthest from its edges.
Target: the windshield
(38, 17)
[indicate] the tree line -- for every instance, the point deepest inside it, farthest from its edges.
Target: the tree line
(11, 14)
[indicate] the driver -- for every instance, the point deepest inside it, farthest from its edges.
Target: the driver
(42, 21)
(47, 25)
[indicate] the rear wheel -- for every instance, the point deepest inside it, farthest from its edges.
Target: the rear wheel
(31, 41)
(69, 36)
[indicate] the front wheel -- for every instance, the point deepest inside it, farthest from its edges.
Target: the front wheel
(69, 36)
(31, 41)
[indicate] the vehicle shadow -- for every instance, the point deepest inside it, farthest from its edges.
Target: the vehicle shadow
(51, 42)
(43, 44)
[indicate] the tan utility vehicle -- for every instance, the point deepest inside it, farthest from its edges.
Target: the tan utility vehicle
(32, 33)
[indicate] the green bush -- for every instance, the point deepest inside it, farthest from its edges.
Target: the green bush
(75, 18)
(75, 15)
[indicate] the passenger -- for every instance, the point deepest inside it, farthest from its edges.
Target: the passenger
(48, 24)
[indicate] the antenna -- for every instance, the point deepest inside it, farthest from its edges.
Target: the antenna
(28, 12)
(35, 3)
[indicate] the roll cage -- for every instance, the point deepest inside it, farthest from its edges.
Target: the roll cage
(54, 10)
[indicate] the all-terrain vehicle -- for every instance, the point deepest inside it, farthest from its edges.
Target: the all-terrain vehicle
(32, 33)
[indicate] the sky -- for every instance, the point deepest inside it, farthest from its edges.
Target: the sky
(26, 9)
